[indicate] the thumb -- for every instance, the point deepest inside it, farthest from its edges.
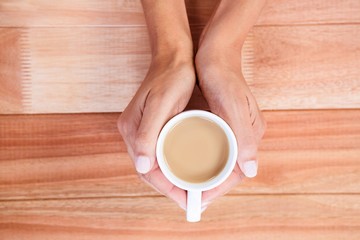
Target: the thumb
(247, 145)
(247, 159)
(150, 126)
(247, 150)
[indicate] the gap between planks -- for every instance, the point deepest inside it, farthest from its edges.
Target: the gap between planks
(230, 194)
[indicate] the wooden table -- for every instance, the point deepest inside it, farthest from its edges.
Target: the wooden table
(67, 70)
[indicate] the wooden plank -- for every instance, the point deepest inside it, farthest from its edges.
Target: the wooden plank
(11, 92)
(283, 12)
(99, 69)
(82, 68)
(82, 155)
(70, 13)
(123, 12)
(254, 217)
(307, 67)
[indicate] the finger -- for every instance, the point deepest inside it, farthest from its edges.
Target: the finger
(160, 183)
(259, 127)
(259, 122)
(127, 129)
(233, 180)
(156, 113)
(247, 148)
(240, 122)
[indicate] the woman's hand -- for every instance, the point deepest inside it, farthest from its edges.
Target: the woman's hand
(218, 66)
(164, 93)
(224, 88)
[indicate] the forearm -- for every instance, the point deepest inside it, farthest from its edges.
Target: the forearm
(231, 22)
(168, 28)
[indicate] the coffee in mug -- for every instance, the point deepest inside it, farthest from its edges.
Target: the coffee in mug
(196, 149)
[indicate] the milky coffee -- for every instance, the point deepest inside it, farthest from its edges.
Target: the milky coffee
(196, 149)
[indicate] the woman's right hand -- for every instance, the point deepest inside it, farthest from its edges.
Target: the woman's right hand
(164, 93)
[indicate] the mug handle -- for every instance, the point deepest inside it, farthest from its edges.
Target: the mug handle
(193, 211)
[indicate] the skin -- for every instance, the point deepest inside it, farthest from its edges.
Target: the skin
(171, 78)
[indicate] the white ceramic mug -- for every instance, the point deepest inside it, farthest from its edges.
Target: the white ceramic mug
(194, 190)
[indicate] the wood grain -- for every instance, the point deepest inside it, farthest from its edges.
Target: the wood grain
(70, 13)
(82, 155)
(68, 176)
(38, 13)
(99, 69)
(11, 92)
(85, 68)
(283, 12)
(307, 67)
(231, 217)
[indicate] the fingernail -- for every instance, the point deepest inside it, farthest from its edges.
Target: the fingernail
(250, 168)
(142, 164)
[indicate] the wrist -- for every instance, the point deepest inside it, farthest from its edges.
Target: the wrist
(173, 55)
(216, 38)
(169, 31)
(180, 50)
(220, 42)
(218, 55)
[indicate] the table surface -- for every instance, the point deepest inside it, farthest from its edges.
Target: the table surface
(67, 70)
